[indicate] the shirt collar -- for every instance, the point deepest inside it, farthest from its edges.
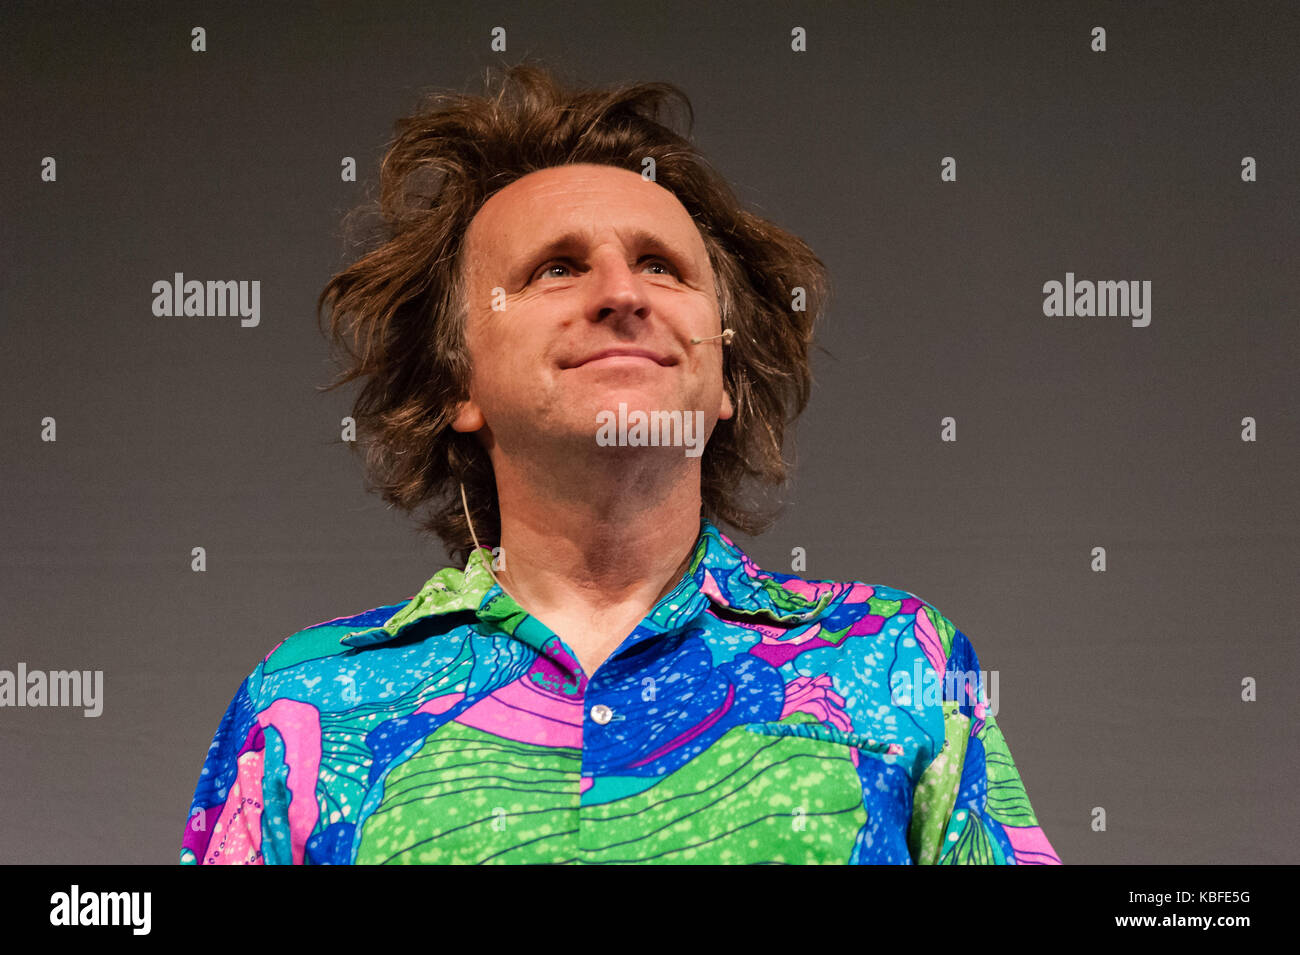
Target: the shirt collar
(719, 572)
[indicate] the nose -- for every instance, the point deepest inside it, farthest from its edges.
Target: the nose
(618, 294)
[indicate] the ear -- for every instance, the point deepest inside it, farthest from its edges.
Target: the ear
(727, 410)
(469, 417)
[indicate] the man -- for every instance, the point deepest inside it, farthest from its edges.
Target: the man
(567, 306)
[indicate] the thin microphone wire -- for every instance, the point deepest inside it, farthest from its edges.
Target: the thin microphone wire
(477, 546)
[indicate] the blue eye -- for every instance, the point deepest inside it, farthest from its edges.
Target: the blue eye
(547, 267)
(668, 267)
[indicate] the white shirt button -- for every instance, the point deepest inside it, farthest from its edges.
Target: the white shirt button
(601, 713)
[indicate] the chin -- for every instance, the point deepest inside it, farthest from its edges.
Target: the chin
(635, 399)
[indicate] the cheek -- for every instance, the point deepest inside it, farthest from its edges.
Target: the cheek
(509, 373)
(713, 383)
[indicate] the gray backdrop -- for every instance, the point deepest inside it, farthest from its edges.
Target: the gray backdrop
(1120, 690)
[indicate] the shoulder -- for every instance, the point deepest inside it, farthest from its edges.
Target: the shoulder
(322, 639)
(316, 643)
(856, 607)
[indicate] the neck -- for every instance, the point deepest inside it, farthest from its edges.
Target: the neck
(615, 534)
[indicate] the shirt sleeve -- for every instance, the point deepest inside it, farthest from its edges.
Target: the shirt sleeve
(225, 823)
(969, 806)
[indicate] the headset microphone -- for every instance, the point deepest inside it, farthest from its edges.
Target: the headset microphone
(726, 337)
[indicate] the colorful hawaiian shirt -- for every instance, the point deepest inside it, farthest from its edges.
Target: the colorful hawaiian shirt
(751, 717)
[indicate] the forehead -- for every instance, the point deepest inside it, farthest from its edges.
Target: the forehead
(583, 198)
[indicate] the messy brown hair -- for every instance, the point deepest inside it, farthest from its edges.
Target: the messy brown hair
(398, 313)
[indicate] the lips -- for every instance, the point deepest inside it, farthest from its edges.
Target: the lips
(644, 353)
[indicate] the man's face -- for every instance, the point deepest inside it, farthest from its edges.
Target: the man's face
(585, 259)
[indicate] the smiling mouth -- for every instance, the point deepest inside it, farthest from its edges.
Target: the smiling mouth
(619, 356)
(619, 360)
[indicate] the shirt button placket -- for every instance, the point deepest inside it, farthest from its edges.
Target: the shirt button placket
(600, 714)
